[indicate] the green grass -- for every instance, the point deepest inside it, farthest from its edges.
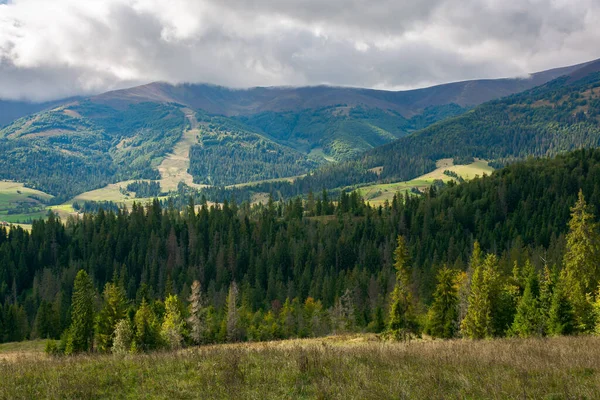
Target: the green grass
(348, 368)
(18, 203)
(378, 194)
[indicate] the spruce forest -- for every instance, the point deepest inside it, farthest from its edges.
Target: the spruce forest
(511, 254)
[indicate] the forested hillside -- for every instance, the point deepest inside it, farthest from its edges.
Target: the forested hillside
(256, 134)
(83, 146)
(305, 268)
(559, 116)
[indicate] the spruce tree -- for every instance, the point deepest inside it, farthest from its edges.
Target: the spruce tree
(113, 311)
(561, 320)
(528, 320)
(443, 314)
(232, 317)
(402, 319)
(483, 301)
(81, 331)
(197, 320)
(173, 326)
(582, 263)
(147, 329)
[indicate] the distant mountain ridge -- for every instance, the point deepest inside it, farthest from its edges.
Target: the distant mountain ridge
(235, 102)
(238, 136)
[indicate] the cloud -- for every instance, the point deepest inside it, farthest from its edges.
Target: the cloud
(58, 48)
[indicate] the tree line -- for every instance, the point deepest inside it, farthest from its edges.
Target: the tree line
(308, 267)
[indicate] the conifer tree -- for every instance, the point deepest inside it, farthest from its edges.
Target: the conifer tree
(483, 299)
(465, 281)
(528, 320)
(443, 314)
(197, 320)
(233, 332)
(113, 311)
(582, 263)
(561, 320)
(147, 329)
(81, 331)
(173, 326)
(582, 257)
(402, 318)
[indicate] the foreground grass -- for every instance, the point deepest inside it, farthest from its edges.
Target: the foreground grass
(358, 368)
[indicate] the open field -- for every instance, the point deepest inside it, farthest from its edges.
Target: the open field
(354, 367)
(19, 204)
(378, 194)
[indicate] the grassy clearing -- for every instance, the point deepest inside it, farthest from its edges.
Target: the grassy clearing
(20, 204)
(174, 167)
(348, 368)
(378, 194)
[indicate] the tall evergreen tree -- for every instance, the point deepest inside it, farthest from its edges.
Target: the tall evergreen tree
(528, 320)
(81, 331)
(173, 326)
(479, 321)
(561, 320)
(443, 314)
(113, 311)
(402, 318)
(147, 329)
(198, 319)
(582, 262)
(232, 317)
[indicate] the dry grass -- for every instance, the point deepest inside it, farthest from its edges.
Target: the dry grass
(347, 368)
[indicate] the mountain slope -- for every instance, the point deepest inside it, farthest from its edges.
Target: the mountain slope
(242, 135)
(559, 116)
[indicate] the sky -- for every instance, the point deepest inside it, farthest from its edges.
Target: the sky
(52, 49)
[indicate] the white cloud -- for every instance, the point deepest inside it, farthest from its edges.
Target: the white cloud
(57, 48)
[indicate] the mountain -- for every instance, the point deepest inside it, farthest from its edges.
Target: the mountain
(243, 102)
(210, 135)
(559, 116)
(556, 117)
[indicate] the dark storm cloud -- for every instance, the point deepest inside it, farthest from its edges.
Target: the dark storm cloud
(51, 49)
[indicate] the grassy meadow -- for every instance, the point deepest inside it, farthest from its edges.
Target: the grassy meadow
(378, 194)
(19, 204)
(353, 367)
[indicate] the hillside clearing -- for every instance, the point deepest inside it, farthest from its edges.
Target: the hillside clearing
(354, 367)
(378, 194)
(174, 167)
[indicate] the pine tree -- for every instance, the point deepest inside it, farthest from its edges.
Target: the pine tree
(112, 312)
(147, 329)
(233, 332)
(402, 318)
(465, 282)
(528, 320)
(582, 263)
(561, 320)
(197, 320)
(443, 314)
(81, 331)
(479, 322)
(582, 257)
(546, 295)
(173, 326)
